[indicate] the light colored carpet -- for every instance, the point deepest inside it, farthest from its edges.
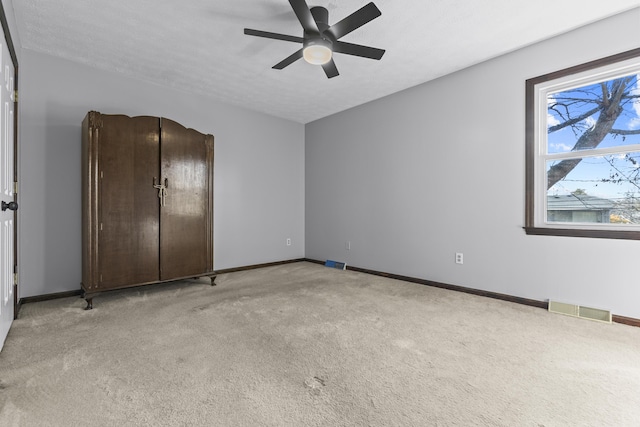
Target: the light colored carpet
(304, 345)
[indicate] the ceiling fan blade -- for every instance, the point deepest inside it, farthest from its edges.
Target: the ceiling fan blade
(304, 15)
(358, 50)
(354, 21)
(330, 69)
(269, 35)
(288, 60)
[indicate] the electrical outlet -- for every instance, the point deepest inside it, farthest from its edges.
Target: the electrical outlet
(459, 258)
(289, 242)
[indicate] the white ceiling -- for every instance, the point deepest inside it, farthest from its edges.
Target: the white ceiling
(199, 45)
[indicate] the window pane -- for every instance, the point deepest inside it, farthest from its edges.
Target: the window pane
(599, 115)
(603, 189)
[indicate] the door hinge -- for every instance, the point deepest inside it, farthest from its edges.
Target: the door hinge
(15, 278)
(15, 95)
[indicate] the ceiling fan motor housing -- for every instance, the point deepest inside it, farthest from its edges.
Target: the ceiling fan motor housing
(317, 41)
(321, 16)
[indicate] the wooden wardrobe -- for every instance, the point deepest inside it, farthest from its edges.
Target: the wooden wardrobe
(147, 202)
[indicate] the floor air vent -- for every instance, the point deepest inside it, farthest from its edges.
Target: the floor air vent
(580, 311)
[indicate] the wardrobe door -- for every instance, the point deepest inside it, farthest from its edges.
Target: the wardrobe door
(186, 237)
(129, 207)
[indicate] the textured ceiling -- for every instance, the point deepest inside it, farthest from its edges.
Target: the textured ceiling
(199, 45)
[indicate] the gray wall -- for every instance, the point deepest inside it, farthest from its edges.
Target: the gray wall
(417, 176)
(259, 169)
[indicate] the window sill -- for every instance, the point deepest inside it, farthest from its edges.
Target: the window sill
(597, 234)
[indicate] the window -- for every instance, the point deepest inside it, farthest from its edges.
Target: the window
(583, 150)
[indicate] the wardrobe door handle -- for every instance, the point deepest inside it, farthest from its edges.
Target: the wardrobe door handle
(162, 191)
(165, 192)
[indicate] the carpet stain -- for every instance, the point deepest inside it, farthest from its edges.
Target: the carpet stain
(202, 307)
(315, 384)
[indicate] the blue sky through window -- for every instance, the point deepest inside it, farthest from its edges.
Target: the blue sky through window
(608, 176)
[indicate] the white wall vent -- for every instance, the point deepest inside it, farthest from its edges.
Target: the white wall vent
(580, 311)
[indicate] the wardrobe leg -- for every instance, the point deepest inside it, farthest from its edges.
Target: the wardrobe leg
(89, 303)
(213, 278)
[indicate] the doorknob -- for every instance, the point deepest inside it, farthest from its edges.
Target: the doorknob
(12, 206)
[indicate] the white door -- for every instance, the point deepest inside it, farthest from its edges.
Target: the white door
(7, 215)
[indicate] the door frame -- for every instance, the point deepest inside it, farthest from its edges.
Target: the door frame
(14, 59)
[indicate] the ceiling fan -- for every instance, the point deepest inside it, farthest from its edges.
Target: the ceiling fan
(320, 40)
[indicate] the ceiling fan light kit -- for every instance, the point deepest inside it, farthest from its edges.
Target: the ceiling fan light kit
(317, 51)
(320, 40)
